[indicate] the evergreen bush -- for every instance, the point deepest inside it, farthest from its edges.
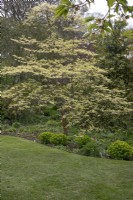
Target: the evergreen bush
(16, 125)
(82, 140)
(90, 149)
(58, 139)
(120, 150)
(45, 137)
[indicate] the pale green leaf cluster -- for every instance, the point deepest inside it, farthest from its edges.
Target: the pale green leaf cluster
(63, 76)
(62, 72)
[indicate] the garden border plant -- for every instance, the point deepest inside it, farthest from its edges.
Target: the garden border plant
(120, 150)
(85, 145)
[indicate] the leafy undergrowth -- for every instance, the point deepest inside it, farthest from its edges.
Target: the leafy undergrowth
(31, 171)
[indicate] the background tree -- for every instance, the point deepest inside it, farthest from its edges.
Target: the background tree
(115, 55)
(40, 22)
(9, 29)
(17, 10)
(13, 13)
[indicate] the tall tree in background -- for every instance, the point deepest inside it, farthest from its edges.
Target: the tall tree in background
(40, 23)
(9, 29)
(115, 55)
(18, 9)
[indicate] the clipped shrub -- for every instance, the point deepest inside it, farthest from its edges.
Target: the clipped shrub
(58, 139)
(82, 140)
(45, 137)
(120, 150)
(90, 149)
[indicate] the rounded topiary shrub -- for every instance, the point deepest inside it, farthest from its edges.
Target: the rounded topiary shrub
(120, 150)
(58, 139)
(82, 140)
(45, 137)
(90, 149)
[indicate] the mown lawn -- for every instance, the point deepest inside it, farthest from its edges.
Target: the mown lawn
(32, 171)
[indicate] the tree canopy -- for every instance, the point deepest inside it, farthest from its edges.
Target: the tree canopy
(115, 7)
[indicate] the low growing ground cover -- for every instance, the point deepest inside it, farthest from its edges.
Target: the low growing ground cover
(31, 171)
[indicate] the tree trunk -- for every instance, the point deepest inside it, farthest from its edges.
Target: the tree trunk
(64, 123)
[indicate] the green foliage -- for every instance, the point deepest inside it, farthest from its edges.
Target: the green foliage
(11, 130)
(27, 129)
(115, 54)
(16, 125)
(45, 137)
(62, 147)
(120, 150)
(58, 139)
(9, 29)
(51, 113)
(125, 135)
(72, 144)
(110, 3)
(90, 149)
(63, 8)
(41, 23)
(120, 8)
(81, 140)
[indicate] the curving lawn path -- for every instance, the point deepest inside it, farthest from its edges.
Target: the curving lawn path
(32, 171)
